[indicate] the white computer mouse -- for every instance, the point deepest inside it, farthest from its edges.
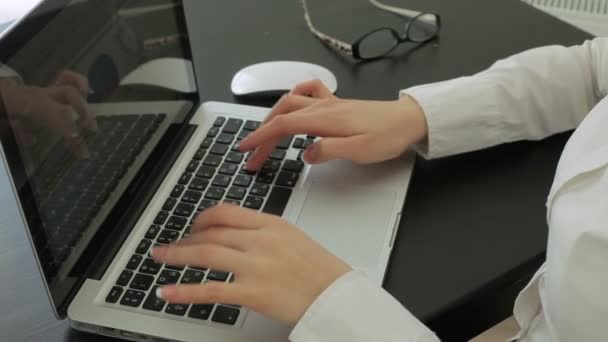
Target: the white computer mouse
(276, 78)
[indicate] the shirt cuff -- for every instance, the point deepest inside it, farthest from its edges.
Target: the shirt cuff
(354, 309)
(458, 120)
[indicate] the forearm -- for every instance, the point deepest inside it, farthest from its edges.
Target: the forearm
(528, 96)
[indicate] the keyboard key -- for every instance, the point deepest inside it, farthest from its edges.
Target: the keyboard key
(253, 202)
(132, 298)
(207, 142)
(175, 267)
(287, 179)
(153, 303)
(217, 275)
(233, 202)
(233, 126)
(184, 209)
(228, 169)
(219, 121)
(271, 165)
(143, 247)
(219, 149)
(309, 141)
(215, 194)
(134, 262)
(260, 189)
(299, 143)
(226, 315)
(222, 181)
(185, 178)
(235, 157)
(176, 223)
(277, 201)
(124, 278)
(199, 184)
(206, 204)
(242, 135)
(193, 277)
(214, 161)
(114, 295)
(161, 218)
(278, 155)
(167, 236)
(252, 125)
(213, 132)
(205, 172)
(236, 193)
(200, 154)
(285, 143)
(201, 311)
(225, 138)
(293, 165)
(177, 191)
(168, 277)
(243, 180)
(142, 282)
(150, 267)
(266, 177)
(177, 309)
(192, 197)
(169, 204)
(193, 166)
(152, 232)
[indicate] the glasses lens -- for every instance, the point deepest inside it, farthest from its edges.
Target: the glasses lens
(377, 44)
(424, 27)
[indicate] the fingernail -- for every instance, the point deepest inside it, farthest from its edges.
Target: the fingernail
(166, 292)
(311, 154)
(238, 146)
(159, 253)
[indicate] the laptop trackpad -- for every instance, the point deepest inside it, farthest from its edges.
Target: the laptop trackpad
(351, 221)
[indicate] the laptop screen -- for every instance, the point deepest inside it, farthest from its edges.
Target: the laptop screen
(83, 104)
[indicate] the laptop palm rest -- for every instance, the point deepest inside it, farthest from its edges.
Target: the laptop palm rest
(350, 220)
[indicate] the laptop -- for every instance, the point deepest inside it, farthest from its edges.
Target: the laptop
(160, 157)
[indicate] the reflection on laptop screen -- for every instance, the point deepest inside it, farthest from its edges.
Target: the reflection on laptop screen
(73, 137)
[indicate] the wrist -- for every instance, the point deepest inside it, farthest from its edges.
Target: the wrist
(415, 119)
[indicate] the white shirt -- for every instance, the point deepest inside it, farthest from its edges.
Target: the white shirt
(528, 96)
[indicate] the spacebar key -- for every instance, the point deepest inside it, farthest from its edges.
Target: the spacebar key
(277, 201)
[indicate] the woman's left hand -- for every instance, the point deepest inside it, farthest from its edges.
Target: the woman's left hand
(279, 271)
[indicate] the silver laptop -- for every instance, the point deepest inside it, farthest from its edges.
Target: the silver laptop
(160, 158)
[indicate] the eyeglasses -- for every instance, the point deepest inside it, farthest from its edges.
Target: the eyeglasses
(420, 28)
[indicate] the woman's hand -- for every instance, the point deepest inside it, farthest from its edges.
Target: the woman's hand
(360, 131)
(279, 271)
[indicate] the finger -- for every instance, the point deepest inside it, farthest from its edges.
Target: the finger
(351, 148)
(202, 255)
(314, 88)
(227, 215)
(260, 155)
(70, 78)
(317, 123)
(287, 104)
(70, 96)
(222, 236)
(208, 293)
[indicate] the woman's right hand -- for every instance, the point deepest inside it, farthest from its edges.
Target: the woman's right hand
(361, 131)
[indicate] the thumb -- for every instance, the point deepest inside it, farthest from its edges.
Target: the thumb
(351, 148)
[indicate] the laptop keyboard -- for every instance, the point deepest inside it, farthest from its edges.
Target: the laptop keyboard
(215, 174)
(75, 190)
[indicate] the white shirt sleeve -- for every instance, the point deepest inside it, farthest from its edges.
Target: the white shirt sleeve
(531, 95)
(354, 309)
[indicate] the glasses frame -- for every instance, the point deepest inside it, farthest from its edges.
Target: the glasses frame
(353, 49)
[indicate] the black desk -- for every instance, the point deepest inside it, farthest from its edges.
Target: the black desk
(474, 226)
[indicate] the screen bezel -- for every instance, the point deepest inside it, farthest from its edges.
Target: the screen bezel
(19, 34)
